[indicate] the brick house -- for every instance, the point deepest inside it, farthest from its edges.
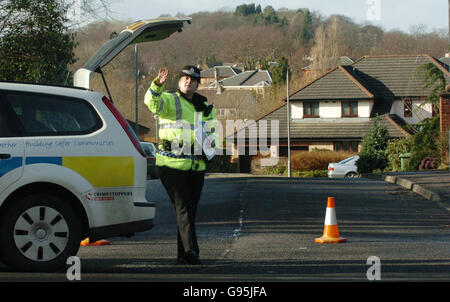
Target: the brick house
(234, 95)
(256, 80)
(217, 73)
(337, 109)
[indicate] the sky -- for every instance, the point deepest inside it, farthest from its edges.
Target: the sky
(404, 15)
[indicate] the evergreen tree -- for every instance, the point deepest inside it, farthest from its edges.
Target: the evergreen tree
(306, 31)
(373, 149)
(34, 43)
(258, 9)
(270, 15)
(434, 79)
(426, 142)
(212, 61)
(279, 72)
(246, 9)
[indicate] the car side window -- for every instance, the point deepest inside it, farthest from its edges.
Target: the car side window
(5, 128)
(50, 115)
(9, 124)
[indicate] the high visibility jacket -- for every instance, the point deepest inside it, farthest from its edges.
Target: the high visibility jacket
(178, 122)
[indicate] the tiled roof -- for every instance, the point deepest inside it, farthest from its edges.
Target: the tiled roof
(382, 76)
(344, 60)
(394, 76)
(336, 84)
(248, 78)
(326, 129)
(222, 72)
(446, 61)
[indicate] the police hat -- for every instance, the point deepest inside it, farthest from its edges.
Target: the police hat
(191, 71)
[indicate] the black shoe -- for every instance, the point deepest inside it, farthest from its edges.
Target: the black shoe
(191, 257)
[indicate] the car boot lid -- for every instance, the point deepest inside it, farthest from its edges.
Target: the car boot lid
(138, 32)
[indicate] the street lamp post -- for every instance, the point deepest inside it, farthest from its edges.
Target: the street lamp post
(288, 115)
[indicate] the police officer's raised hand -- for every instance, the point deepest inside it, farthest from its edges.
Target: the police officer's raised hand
(162, 76)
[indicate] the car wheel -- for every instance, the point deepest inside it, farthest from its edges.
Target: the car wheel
(350, 175)
(39, 233)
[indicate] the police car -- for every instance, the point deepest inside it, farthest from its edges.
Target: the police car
(71, 167)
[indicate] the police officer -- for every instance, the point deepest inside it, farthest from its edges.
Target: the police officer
(180, 160)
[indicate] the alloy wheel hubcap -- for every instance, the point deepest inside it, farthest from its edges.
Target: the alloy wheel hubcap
(41, 233)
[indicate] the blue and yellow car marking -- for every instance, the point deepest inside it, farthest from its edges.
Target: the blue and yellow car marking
(103, 171)
(44, 160)
(107, 171)
(7, 165)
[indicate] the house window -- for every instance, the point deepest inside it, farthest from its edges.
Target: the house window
(346, 146)
(350, 109)
(407, 108)
(310, 109)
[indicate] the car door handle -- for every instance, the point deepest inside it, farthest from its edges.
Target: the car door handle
(5, 156)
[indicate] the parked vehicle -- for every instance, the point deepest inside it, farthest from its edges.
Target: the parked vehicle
(71, 167)
(150, 152)
(345, 168)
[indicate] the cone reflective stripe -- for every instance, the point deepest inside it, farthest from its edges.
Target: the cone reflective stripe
(86, 242)
(330, 230)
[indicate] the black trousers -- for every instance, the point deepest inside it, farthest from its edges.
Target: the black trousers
(184, 189)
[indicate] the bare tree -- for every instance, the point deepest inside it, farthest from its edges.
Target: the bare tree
(327, 45)
(79, 12)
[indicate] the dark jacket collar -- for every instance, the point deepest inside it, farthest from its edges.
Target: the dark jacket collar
(197, 100)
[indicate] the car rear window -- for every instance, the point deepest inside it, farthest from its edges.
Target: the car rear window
(347, 160)
(50, 115)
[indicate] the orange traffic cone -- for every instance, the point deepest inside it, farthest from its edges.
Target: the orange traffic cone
(86, 242)
(330, 231)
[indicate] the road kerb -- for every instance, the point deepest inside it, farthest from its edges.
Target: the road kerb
(389, 178)
(425, 193)
(407, 184)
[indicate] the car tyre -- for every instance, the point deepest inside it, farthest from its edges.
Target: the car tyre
(350, 175)
(39, 233)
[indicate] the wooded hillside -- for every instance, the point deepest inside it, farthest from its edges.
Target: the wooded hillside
(250, 35)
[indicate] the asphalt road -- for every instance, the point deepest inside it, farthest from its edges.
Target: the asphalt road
(263, 229)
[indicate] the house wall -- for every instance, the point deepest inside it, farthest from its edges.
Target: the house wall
(296, 110)
(444, 108)
(324, 145)
(365, 108)
(418, 112)
(330, 109)
(445, 112)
